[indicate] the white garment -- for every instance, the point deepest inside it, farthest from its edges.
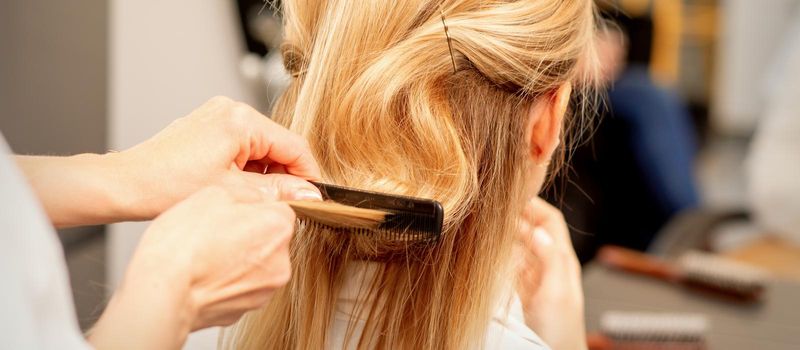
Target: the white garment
(506, 331)
(36, 310)
(774, 160)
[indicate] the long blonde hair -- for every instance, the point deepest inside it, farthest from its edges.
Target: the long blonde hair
(384, 107)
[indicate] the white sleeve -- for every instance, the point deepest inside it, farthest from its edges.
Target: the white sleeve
(36, 306)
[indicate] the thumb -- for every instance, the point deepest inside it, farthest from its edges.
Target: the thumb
(283, 187)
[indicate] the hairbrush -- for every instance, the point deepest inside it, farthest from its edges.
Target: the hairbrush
(385, 216)
(649, 330)
(700, 271)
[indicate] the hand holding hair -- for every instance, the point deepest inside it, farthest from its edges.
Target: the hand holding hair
(221, 142)
(212, 253)
(548, 280)
(204, 262)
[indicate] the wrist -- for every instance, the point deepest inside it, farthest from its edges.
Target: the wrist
(152, 308)
(128, 188)
(159, 278)
(111, 186)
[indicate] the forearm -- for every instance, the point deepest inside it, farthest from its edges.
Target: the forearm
(84, 189)
(149, 311)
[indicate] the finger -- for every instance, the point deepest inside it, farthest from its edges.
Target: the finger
(282, 187)
(225, 194)
(526, 251)
(274, 143)
(552, 220)
(541, 211)
(276, 268)
(245, 194)
(539, 242)
(277, 221)
(523, 230)
(529, 213)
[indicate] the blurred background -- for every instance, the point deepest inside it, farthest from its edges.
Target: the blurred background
(697, 147)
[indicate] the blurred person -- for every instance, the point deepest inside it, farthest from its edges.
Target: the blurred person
(774, 159)
(461, 101)
(660, 136)
(637, 171)
(217, 248)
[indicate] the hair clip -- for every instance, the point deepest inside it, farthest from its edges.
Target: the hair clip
(449, 45)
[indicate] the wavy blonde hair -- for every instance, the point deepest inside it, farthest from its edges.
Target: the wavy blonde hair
(376, 93)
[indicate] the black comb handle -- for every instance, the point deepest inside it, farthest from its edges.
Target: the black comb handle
(408, 213)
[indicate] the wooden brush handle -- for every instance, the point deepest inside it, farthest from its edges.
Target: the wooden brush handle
(598, 341)
(636, 262)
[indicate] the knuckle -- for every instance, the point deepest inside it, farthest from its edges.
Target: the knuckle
(219, 99)
(240, 106)
(273, 181)
(282, 276)
(241, 109)
(238, 116)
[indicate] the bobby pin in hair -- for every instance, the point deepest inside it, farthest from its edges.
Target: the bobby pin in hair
(449, 45)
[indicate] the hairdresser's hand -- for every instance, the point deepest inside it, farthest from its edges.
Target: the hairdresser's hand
(204, 262)
(549, 281)
(221, 142)
(213, 145)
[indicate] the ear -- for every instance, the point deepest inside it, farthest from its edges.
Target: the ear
(545, 119)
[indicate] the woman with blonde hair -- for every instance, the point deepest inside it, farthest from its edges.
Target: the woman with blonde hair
(462, 101)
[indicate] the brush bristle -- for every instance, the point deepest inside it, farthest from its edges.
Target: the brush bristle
(338, 215)
(654, 327)
(722, 274)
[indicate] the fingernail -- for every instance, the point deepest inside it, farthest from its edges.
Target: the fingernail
(541, 236)
(305, 194)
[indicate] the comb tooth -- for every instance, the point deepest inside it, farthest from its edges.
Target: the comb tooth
(417, 230)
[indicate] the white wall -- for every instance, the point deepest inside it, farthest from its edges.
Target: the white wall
(166, 58)
(750, 34)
